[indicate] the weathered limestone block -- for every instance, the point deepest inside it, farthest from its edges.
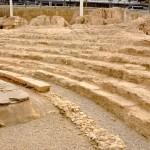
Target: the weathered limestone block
(48, 20)
(145, 25)
(1, 22)
(30, 82)
(101, 16)
(13, 22)
(41, 20)
(36, 84)
(15, 106)
(59, 21)
(105, 16)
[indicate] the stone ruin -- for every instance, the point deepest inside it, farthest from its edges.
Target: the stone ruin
(48, 20)
(12, 22)
(101, 16)
(15, 105)
(105, 16)
(16, 21)
(145, 25)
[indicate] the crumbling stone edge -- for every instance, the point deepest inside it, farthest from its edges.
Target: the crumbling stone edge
(101, 138)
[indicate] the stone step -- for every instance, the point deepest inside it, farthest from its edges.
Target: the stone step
(30, 82)
(15, 68)
(136, 52)
(32, 48)
(128, 90)
(113, 70)
(141, 63)
(139, 119)
(76, 44)
(22, 55)
(109, 84)
(131, 91)
(143, 42)
(109, 101)
(25, 67)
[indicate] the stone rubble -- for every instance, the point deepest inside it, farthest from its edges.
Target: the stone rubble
(41, 20)
(145, 25)
(101, 138)
(44, 20)
(101, 16)
(106, 16)
(13, 22)
(2, 125)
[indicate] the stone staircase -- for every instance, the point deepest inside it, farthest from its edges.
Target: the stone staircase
(116, 77)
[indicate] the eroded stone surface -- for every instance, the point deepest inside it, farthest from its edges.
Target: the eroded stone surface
(36, 84)
(15, 106)
(13, 22)
(11, 94)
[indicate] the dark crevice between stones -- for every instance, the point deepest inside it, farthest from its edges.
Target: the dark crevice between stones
(1, 26)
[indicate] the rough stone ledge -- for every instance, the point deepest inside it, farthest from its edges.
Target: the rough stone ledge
(10, 94)
(30, 82)
(101, 138)
(15, 106)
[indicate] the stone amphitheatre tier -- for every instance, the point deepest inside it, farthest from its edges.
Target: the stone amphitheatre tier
(108, 64)
(30, 82)
(14, 105)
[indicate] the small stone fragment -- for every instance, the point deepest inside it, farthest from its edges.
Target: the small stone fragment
(2, 124)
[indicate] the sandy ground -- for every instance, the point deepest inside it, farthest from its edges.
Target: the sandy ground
(49, 132)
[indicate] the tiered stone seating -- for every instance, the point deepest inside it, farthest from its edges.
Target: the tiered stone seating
(111, 71)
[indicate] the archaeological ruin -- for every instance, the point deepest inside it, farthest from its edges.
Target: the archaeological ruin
(75, 84)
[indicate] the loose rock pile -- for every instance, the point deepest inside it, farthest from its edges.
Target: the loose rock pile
(141, 23)
(48, 20)
(16, 21)
(105, 16)
(12, 22)
(101, 137)
(41, 20)
(101, 16)
(145, 25)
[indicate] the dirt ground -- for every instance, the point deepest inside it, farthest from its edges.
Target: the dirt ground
(50, 131)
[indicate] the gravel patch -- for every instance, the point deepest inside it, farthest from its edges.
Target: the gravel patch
(53, 132)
